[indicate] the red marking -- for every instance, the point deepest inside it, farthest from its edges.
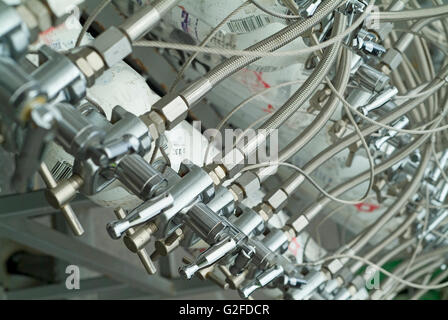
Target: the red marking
(48, 31)
(269, 109)
(366, 207)
(266, 85)
(260, 78)
(294, 247)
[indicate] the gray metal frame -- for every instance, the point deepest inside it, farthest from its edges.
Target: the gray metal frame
(120, 278)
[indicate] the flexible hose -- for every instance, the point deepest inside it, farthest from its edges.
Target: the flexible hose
(399, 203)
(421, 272)
(319, 122)
(405, 15)
(272, 43)
(312, 211)
(384, 243)
(436, 280)
(307, 89)
(291, 185)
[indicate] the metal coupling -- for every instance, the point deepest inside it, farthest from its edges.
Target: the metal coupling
(140, 177)
(113, 46)
(173, 109)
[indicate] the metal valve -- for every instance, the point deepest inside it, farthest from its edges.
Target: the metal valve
(141, 252)
(59, 196)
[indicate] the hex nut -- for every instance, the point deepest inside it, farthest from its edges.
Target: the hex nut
(300, 223)
(290, 232)
(41, 13)
(237, 192)
(345, 275)
(155, 124)
(95, 61)
(392, 59)
(334, 266)
(173, 108)
(277, 200)
(113, 46)
(30, 20)
(216, 173)
(358, 283)
(233, 162)
(265, 211)
(89, 62)
(248, 182)
(84, 66)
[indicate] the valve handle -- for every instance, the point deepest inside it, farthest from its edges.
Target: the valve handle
(66, 209)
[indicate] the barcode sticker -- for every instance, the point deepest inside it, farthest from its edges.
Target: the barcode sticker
(249, 24)
(62, 170)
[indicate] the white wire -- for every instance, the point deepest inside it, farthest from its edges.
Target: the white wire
(307, 176)
(419, 92)
(365, 145)
(90, 20)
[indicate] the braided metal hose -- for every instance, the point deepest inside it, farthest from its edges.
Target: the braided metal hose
(272, 43)
(311, 84)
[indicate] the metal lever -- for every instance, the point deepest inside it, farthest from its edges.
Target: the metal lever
(140, 215)
(140, 237)
(234, 281)
(261, 281)
(208, 257)
(209, 274)
(66, 209)
(141, 253)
